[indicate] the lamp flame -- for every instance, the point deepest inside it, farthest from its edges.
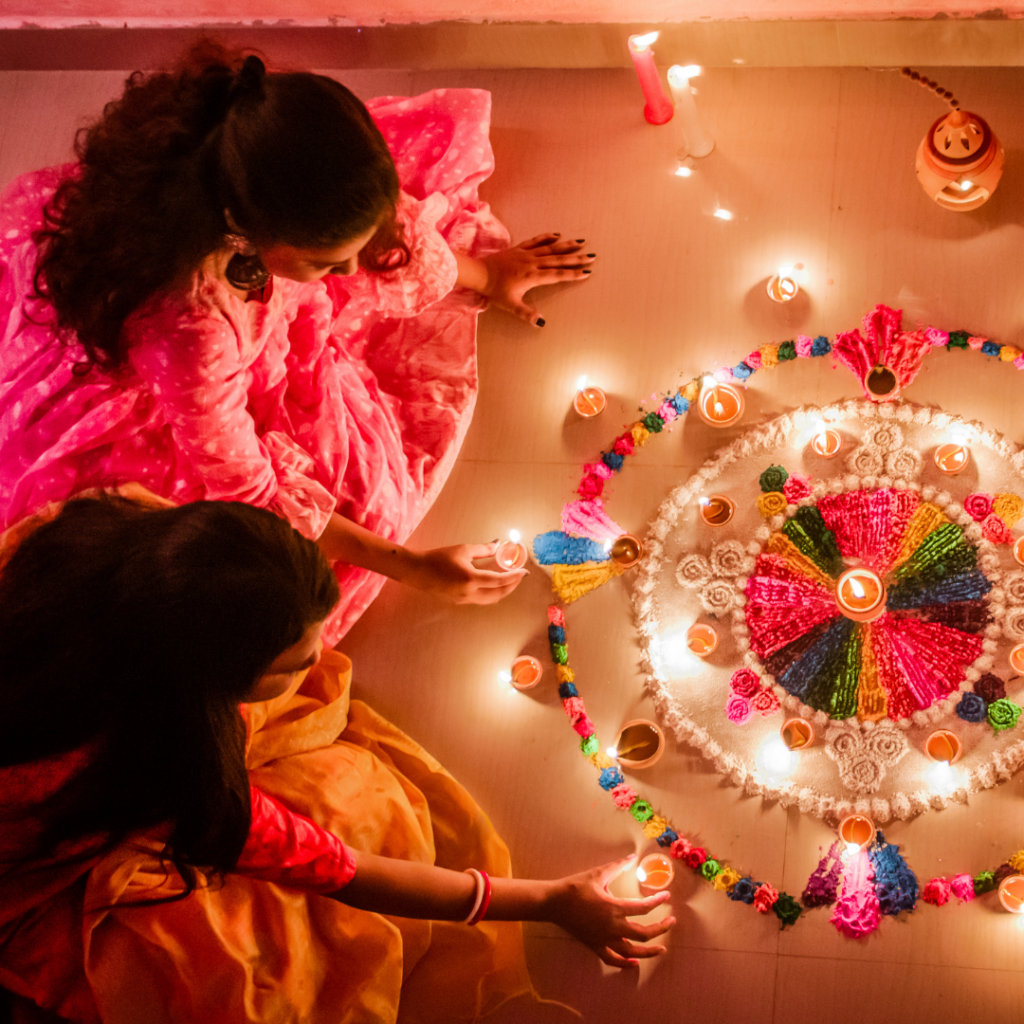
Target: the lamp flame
(858, 590)
(776, 758)
(641, 875)
(640, 43)
(681, 74)
(581, 384)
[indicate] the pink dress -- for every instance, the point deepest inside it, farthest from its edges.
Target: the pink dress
(350, 394)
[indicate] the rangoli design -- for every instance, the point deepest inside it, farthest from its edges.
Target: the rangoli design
(770, 580)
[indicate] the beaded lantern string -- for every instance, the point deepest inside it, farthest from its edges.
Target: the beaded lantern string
(926, 83)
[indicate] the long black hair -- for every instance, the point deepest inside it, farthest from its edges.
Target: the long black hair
(292, 156)
(139, 632)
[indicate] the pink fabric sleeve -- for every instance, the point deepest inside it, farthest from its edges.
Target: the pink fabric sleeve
(191, 361)
(289, 849)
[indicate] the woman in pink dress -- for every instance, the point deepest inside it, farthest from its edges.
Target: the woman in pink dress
(251, 287)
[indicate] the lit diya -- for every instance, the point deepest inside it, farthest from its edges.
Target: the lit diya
(944, 745)
(783, 286)
(1011, 893)
(1018, 550)
(640, 744)
(1017, 658)
(526, 672)
(951, 458)
(827, 443)
(797, 733)
(508, 555)
(857, 831)
(589, 400)
(701, 639)
(626, 551)
(717, 510)
(860, 594)
(655, 872)
(719, 405)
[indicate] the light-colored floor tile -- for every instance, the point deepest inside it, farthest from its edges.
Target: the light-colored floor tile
(845, 992)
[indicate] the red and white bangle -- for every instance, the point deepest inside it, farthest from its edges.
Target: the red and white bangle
(482, 899)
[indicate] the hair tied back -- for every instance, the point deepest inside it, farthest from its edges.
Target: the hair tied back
(250, 75)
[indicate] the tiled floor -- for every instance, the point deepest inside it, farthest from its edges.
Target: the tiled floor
(817, 166)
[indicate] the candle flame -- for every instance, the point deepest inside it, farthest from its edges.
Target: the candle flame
(505, 678)
(607, 546)
(719, 408)
(640, 43)
(680, 74)
(708, 381)
(515, 536)
(581, 384)
(641, 875)
(612, 751)
(942, 777)
(858, 590)
(703, 501)
(966, 186)
(776, 758)
(682, 171)
(723, 214)
(852, 848)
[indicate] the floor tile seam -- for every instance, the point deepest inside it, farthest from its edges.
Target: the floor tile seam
(555, 462)
(903, 963)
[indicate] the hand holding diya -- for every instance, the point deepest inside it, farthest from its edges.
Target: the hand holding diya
(508, 556)
(655, 872)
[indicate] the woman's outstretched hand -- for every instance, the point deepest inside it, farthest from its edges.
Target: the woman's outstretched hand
(506, 276)
(585, 908)
(450, 572)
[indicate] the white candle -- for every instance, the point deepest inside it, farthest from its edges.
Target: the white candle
(698, 142)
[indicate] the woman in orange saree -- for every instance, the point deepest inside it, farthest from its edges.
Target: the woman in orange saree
(235, 873)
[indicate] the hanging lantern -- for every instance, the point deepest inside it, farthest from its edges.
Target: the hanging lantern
(960, 160)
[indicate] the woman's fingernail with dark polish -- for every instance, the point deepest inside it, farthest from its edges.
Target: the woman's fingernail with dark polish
(540, 321)
(587, 271)
(581, 240)
(591, 255)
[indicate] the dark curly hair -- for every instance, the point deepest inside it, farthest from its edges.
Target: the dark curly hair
(135, 633)
(295, 157)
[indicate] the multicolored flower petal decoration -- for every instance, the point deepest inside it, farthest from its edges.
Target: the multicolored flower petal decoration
(916, 653)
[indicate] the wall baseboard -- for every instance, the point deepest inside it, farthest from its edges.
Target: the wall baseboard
(935, 42)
